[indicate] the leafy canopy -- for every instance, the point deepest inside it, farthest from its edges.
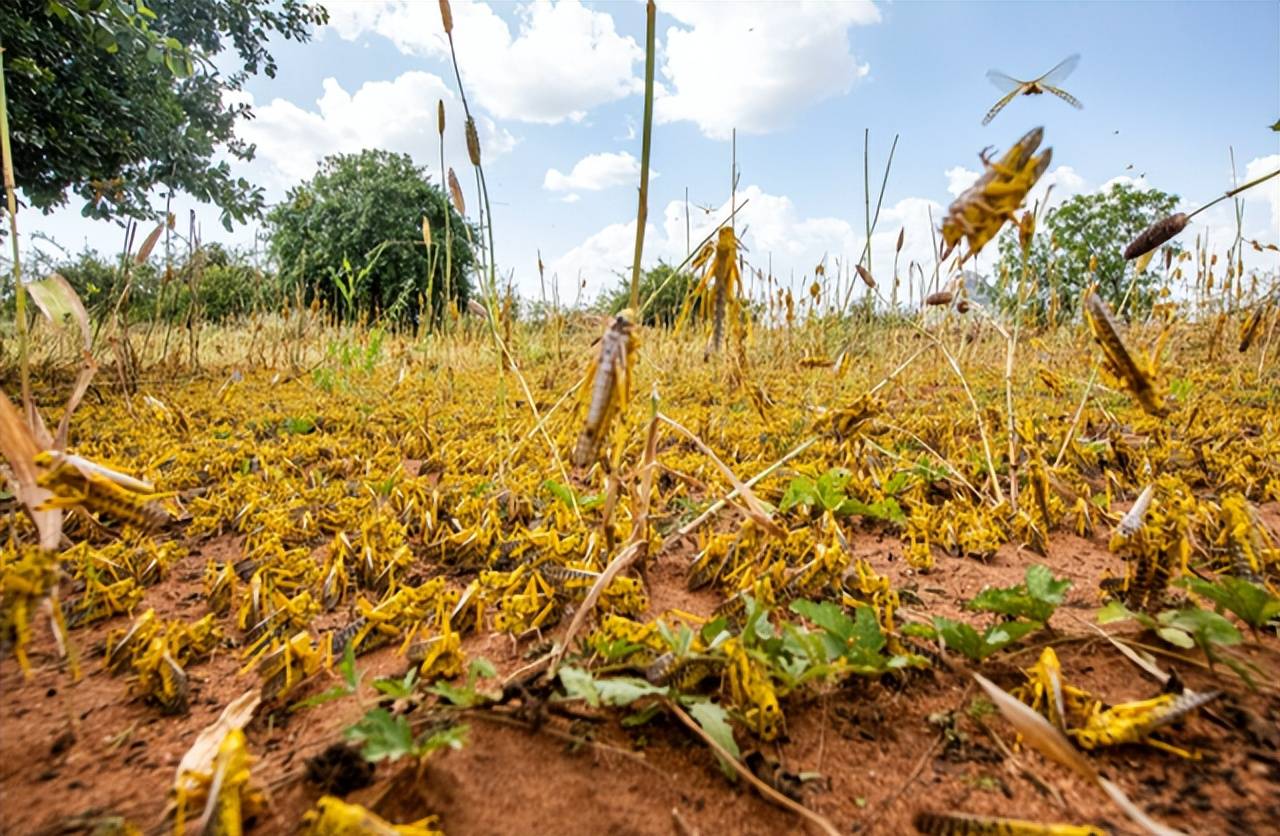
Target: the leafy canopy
(352, 237)
(109, 99)
(1087, 227)
(667, 288)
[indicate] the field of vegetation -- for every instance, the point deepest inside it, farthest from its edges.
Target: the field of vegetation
(369, 554)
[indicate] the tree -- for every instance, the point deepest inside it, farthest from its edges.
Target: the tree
(1088, 229)
(109, 99)
(666, 305)
(352, 236)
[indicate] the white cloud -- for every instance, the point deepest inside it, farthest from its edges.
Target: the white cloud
(1266, 194)
(960, 178)
(398, 115)
(571, 198)
(755, 66)
(564, 60)
(772, 228)
(595, 172)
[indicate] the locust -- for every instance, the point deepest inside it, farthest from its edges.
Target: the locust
(78, 482)
(1133, 722)
(1047, 83)
(982, 209)
(962, 824)
(228, 799)
(610, 376)
(335, 817)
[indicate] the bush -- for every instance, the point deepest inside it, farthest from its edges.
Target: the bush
(672, 291)
(352, 236)
(1088, 229)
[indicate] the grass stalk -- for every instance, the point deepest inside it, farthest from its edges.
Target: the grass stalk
(11, 206)
(642, 214)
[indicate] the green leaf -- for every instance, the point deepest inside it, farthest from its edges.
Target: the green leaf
(383, 736)
(454, 737)
(959, 637)
(831, 488)
(398, 688)
(963, 638)
(560, 492)
(1254, 604)
(332, 694)
(755, 626)
(624, 690)
(347, 667)
(918, 630)
(1206, 626)
(1036, 599)
(715, 722)
(579, 684)
(896, 482)
(298, 426)
(1114, 611)
(481, 668)
(884, 509)
(711, 631)
(1043, 587)
(827, 615)
(1002, 635)
(801, 491)
(868, 640)
(1176, 637)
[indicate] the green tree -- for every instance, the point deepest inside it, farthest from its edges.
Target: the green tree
(351, 236)
(671, 294)
(109, 99)
(99, 279)
(1074, 234)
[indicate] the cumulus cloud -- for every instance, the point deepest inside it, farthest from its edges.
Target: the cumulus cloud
(773, 230)
(595, 172)
(960, 178)
(756, 66)
(397, 115)
(563, 60)
(1267, 194)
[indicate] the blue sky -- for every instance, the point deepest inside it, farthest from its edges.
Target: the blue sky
(1167, 88)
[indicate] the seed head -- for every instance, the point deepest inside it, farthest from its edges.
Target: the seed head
(473, 142)
(1155, 235)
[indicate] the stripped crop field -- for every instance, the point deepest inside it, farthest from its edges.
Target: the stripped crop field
(777, 562)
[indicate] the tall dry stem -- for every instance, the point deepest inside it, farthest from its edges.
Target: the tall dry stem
(642, 214)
